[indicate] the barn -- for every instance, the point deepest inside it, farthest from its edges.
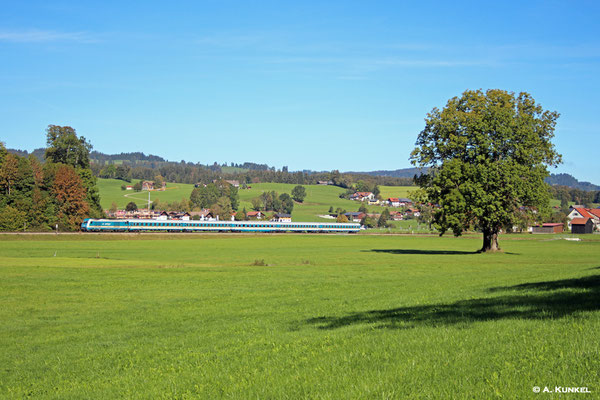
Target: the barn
(582, 225)
(548, 228)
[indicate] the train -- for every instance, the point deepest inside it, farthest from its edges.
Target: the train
(146, 225)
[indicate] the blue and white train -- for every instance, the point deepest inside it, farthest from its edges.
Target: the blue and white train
(148, 225)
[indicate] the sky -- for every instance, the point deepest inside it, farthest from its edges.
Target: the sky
(317, 85)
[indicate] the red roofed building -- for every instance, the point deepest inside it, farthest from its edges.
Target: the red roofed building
(548, 228)
(582, 225)
(362, 196)
(255, 214)
(580, 212)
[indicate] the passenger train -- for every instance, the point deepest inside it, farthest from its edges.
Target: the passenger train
(147, 225)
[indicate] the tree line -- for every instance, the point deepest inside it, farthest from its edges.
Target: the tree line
(59, 192)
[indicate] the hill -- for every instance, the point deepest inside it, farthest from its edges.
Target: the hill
(570, 181)
(318, 197)
(397, 173)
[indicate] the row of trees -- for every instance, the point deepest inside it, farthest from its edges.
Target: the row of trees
(61, 191)
(566, 195)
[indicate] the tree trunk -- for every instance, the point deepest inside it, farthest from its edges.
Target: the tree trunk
(490, 240)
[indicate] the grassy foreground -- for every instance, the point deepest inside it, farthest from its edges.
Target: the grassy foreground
(93, 316)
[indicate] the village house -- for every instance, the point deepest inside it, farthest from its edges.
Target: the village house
(398, 202)
(396, 216)
(324, 183)
(149, 185)
(414, 212)
(281, 217)
(362, 196)
(255, 215)
(355, 216)
(581, 212)
(204, 215)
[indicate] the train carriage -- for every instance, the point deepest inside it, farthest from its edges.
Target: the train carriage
(145, 225)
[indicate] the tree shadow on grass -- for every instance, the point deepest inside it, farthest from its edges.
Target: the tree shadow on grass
(547, 300)
(420, 252)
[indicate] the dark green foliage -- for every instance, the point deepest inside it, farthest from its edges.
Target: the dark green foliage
(287, 204)
(368, 222)
(207, 196)
(131, 206)
(382, 222)
(299, 193)
(363, 208)
(487, 153)
(64, 147)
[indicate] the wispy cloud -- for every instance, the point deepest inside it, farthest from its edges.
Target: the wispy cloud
(46, 36)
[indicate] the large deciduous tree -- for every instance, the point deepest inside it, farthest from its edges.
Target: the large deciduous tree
(487, 154)
(299, 193)
(70, 194)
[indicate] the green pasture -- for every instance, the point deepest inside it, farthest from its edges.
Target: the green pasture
(396, 191)
(317, 202)
(110, 190)
(297, 316)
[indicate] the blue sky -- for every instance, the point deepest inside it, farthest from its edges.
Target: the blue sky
(312, 85)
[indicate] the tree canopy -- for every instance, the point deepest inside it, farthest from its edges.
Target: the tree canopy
(299, 193)
(488, 154)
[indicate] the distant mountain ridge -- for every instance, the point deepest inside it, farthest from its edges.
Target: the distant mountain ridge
(570, 181)
(554, 179)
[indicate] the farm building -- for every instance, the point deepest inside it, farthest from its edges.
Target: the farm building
(396, 216)
(548, 228)
(582, 225)
(280, 217)
(362, 196)
(204, 215)
(582, 212)
(255, 215)
(149, 185)
(355, 216)
(399, 202)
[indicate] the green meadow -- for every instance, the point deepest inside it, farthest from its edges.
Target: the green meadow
(318, 197)
(110, 190)
(297, 316)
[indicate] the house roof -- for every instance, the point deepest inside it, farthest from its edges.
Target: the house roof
(584, 212)
(405, 200)
(594, 211)
(363, 194)
(281, 215)
(354, 214)
(579, 221)
(393, 199)
(552, 224)
(251, 213)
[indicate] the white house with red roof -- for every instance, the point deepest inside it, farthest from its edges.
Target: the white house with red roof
(362, 196)
(583, 213)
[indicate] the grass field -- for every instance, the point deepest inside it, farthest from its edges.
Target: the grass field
(318, 200)
(334, 317)
(110, 190)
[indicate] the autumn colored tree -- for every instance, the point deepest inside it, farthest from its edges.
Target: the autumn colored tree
(65, 147)
(9, 173)
(70, 196)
